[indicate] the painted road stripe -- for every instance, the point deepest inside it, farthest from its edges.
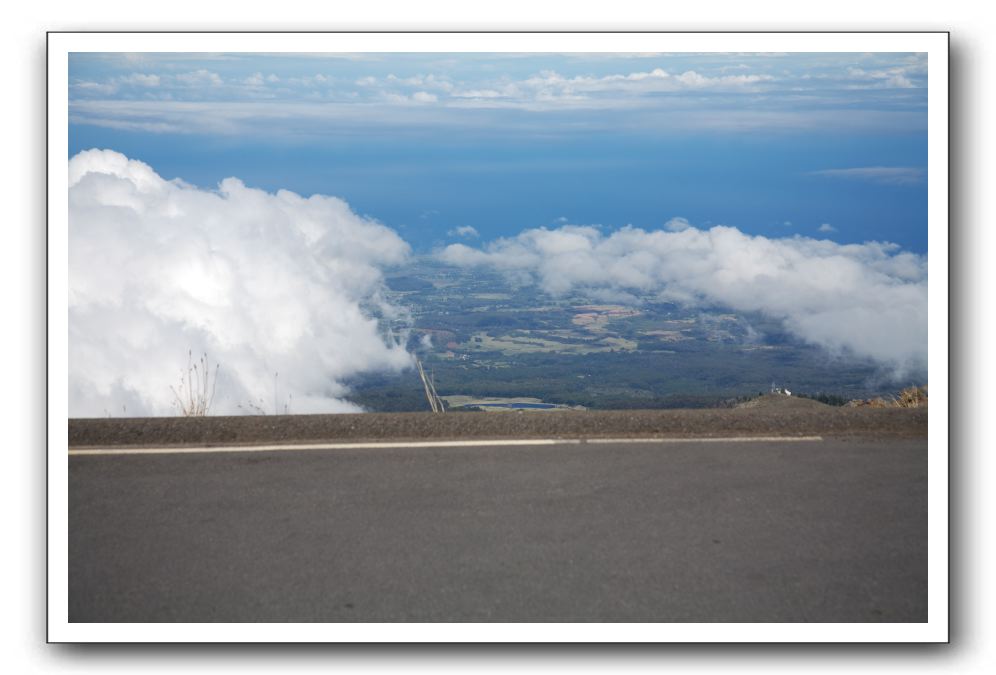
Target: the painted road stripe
(318, 446)
(731, 439)
(422, 444)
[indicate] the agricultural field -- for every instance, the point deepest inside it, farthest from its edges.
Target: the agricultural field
(483, 339)
(503, 404)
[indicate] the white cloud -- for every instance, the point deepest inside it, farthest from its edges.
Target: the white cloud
(677, 225)
(402, 99)
(478, 93)
(549, 88)
(261, 282)
(893, 175)
(827, 227)
(463, 231)
(899, 82)
(658, 94)
(423, 82)
(420, 82)
(596, 56)
(693, 79)
(893, 78)
(391, 97)
(141, 80)
(310, 80)
(550, 84)
(87, 86)
(199, 77)
(113, 85)
(868, 300)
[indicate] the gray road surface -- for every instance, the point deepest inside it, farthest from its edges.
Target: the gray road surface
(801, 531)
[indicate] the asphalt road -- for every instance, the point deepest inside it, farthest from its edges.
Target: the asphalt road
(832, 530)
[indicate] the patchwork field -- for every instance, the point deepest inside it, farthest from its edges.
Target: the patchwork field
(532, 342)
(504, 404)
(500, 345)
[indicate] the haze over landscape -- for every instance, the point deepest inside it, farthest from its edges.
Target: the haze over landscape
(311, 222)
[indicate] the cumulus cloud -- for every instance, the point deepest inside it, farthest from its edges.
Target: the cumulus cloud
(899, 82)
(141, 80)
(868, 300)
(254, 80)
(463, 231)
(430, 81)
(87, 86)
(113, 85)
(892, 78)
(656, 80)
(827, 227)
(310, 80)
(719, 92)
(199, 77)
(551, 87)
(402, 99)
(263, 283)
(478, 93)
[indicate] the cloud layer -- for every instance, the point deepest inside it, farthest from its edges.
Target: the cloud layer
(180, 93)
(890, 175)
(867, 300)
(263, 283)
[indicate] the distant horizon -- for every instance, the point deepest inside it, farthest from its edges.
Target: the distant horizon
(821, 145)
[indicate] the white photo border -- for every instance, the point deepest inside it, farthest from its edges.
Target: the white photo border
(934, 44)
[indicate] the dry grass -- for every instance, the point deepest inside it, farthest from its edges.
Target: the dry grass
(910, 397)
(195, 393)
(878, 403)
(258, 407)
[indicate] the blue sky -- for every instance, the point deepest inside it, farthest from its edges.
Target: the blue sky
(820, 145)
